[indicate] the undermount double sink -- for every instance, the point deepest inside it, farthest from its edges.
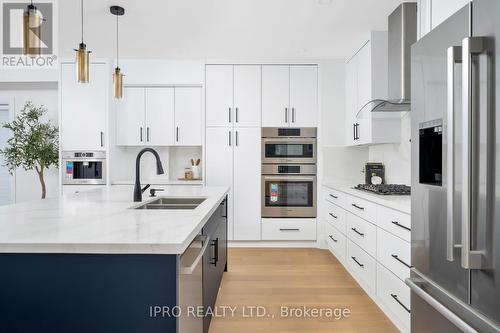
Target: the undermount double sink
(172, 203)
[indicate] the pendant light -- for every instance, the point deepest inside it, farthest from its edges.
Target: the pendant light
(117, 75)
(82, 58)
(32, 20)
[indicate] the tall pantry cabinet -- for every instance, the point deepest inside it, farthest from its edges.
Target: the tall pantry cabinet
(233, 136)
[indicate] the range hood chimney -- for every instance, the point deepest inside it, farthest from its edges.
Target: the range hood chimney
(402, 34)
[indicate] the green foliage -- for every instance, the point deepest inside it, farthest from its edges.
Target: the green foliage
(34, 143)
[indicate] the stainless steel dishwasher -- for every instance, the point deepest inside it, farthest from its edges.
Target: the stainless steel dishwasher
(191, 285)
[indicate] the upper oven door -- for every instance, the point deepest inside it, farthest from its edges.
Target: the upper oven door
(288, 150)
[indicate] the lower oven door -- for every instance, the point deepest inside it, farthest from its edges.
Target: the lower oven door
(289, 196)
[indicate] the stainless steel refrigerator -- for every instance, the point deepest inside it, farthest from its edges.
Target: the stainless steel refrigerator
(455, 280)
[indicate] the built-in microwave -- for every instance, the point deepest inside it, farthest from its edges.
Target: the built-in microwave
(289, 145)
(83, 168)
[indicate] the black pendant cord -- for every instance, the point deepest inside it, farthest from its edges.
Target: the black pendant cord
(117, 45)
(81, 6)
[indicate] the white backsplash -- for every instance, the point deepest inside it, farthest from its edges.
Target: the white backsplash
(344, 165)
(396, 157)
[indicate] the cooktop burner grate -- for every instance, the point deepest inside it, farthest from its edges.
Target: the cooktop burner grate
(385, 189)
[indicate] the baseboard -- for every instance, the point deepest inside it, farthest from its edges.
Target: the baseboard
(276, 244)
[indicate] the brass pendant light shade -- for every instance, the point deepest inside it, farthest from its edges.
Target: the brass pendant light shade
(117, 75)
(82, 64)
(82, 60)
(118, 83)
(32, 20)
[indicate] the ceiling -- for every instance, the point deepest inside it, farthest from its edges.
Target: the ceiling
(224, 29)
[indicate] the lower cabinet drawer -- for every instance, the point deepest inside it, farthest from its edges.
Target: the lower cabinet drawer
(363, 233)
(336, 242)
(336, 216)
(362, 264)
(334, 196)
(394, 253)
(289, 229)
(362, 208)
(395, 295)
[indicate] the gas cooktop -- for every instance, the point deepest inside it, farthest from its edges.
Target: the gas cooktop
(385, 189)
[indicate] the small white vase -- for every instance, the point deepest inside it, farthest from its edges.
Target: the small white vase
(196, 171)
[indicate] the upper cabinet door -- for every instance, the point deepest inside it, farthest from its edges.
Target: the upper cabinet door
(304, 96)
(188, 118)
(159, 116)
(364, 79)
(247, 95)
(351, 99)
(83, 108)
(130, 114)
(275, 96)
(219, 95)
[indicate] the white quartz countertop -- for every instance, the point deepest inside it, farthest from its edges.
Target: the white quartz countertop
(101, 221)
(397, 202)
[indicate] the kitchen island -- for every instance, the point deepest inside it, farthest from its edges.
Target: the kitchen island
(90, 262)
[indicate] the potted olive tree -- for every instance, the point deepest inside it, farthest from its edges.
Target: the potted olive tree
(33, 144)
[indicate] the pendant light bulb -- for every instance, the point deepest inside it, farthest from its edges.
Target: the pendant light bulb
(82, 61)
(32, 20)
(117, 75)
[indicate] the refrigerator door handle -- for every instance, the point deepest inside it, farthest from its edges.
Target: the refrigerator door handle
(471, 46)
(454, 57)
(443, 310)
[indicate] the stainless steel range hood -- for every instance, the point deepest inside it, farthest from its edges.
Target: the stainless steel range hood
(402, 34)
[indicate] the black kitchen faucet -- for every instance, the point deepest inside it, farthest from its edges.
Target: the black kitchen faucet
(159, 170)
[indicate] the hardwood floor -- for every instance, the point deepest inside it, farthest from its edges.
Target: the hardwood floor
(272, 278)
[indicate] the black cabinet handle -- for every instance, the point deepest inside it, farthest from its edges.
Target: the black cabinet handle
(354, 132)
(215, 244)
(358, 207)
(102, 139)
(359, 233)
(400, 225)
(140, 133)
(236, 114)
(335, 217)
(395, 256)
(357, 262)
(334, 196)
(229, 115)
(229, 136)
(147, 134)
(395, 297)
(289, 229)
(333, 239)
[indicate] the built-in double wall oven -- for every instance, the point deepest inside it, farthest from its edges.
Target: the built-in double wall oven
(289, 172)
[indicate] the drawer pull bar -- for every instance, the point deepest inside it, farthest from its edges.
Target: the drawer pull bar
(359, 233)
(334, 196)
(400, 225)
(289, 229)
(333, 239)
(395, 297)
(335, 217)
(358, 207)
(395, 256)
(357, 262)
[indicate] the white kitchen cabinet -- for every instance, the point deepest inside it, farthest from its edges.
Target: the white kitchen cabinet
(130, 112)
(247, 95)
(159, 116)
(366, 80)
(233, 95)
(275, 95)
(246, 186)
(219, 95)
(289, 95)
(83, 108)
(188, 116)
(219, 164)
(304, 96)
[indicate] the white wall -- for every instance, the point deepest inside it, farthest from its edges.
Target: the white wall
(396, 157)
(26, 183)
